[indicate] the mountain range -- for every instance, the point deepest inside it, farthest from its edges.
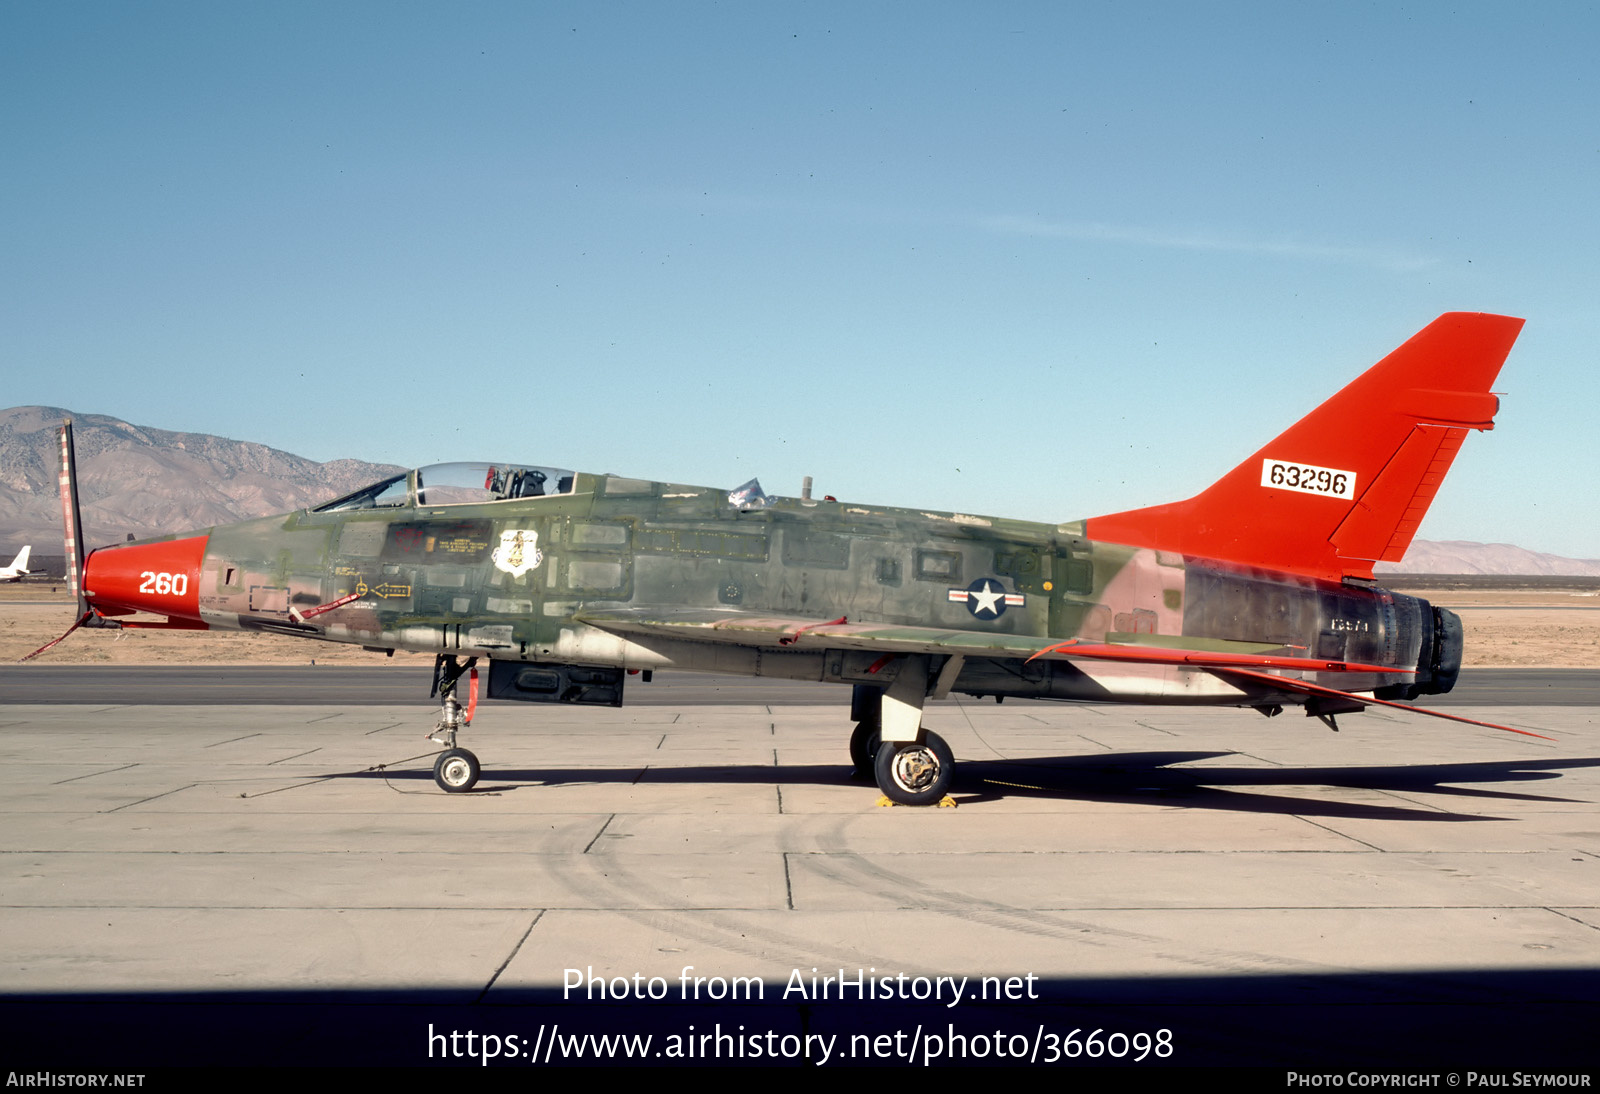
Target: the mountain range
(140, 481)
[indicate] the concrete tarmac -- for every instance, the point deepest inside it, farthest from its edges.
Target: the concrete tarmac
(284, 884)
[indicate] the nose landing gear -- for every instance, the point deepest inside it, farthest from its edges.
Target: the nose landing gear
(456, 770)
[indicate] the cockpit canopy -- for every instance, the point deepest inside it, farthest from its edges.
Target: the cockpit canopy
(456, 484)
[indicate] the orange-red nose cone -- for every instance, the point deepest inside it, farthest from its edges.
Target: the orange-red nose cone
(147, 577)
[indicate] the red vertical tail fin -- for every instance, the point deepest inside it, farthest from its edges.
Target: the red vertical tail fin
(1348, 484)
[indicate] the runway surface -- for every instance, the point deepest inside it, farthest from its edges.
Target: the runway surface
(251, 875)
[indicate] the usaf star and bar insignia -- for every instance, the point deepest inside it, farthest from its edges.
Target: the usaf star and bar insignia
(986, 598)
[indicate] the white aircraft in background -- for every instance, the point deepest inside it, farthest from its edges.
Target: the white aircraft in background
(18, 568)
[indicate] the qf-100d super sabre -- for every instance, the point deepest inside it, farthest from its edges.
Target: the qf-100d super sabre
(1258, 592)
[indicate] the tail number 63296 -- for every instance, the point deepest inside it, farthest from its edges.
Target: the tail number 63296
(1308, 479)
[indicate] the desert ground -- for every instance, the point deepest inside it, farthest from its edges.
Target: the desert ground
(1505, 628)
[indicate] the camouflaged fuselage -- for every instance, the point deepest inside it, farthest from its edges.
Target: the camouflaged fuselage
(514, 580)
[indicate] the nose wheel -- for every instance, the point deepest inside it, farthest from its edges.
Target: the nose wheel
(456, 771)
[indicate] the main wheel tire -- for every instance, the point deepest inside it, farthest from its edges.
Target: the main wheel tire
(915, 773)
(864, 743)
(456, 771)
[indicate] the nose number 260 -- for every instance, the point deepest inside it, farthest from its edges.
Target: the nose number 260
(164, 584)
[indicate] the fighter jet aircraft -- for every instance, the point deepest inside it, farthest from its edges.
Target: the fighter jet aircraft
(18, 568)
(1257, 593)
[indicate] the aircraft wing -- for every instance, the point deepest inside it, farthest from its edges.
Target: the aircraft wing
(800, 632)
(1236, 661)
(758, 629)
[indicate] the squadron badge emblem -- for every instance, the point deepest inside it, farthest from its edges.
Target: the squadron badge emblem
(518, 551)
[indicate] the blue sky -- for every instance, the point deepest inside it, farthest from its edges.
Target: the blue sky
(1042, 260)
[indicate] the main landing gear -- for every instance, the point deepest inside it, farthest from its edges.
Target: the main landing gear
(914, 771)
(864, 742)
(456, 770)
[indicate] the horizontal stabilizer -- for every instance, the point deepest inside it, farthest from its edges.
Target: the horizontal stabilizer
(1304, 687)
(1206, 659)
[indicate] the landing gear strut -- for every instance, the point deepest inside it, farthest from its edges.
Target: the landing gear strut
(911, 765)
(456, 770)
